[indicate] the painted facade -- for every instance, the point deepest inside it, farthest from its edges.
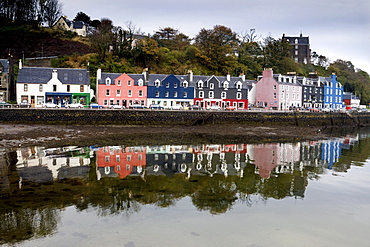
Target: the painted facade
(57, 85)
(333, 93)
(278, 91)
(4, 80)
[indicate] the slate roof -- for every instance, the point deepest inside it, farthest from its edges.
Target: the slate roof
(31, 75)
(78, 24)
(5, 64)
(112, 76)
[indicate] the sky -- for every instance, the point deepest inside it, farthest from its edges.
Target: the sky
(337, 29)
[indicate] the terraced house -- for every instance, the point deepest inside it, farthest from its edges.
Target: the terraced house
(222, 91)
(57, 85)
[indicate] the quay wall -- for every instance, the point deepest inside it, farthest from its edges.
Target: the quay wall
(155, 117)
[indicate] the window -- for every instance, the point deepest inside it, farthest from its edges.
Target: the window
(40, 87)
(211, 86)
(156, 83)
(166, 94)
(140, 82)
(185, 84)
(274, 95)
(239, 85)
(54, 88)
(128, 157)
(140, 157)
(128, 83)
(68, 88)
(238, 95)
(119, 83)
(81, 88)
(107, 158)
(185, 94)
(226, 85)
(223, 95)
(140, 93)
(127, 167)
(201, 94)
(25, 87)
(118, 92)
(105, 102)
(200, 84)
(108, 81)
(65, 76)
(107, 92)
(167, 85)
(175, 94)
(129, 93)
(118, 158)
(274, 87)
(211, 94)
(175, 85)
(156, 93)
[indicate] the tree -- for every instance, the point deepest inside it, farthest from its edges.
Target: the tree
(81, 16)
(102, 37)
(217, 49)
(52, 10)
(274, 51)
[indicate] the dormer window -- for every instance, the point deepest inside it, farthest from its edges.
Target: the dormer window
(211, 86)
(226, 85)
(185, 84)
(239, 85)
(200, 84)
(65, 77)
(108, 81)
(140, 82)
(157, 83)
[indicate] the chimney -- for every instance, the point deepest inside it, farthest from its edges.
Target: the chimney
(228, 77)
(98, 76)
(190, 75)
(20, 64)
(242, 76)
(267, 73)
(146, 74)
(55, 74)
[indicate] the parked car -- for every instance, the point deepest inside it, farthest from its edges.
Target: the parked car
(230, 108)
(50, 105)
(24, 104)
(3, 104)
(214, 108)
(156, 107)
(313, 109)
(96, 106)
(195, 108)
(75, 105)
(137, 106)
(115, 106)
(176, 107)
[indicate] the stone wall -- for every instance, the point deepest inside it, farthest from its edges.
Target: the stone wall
(153, 117)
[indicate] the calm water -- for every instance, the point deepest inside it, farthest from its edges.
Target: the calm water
(272, 194)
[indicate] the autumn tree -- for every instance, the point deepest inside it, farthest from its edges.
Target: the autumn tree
(217, 49)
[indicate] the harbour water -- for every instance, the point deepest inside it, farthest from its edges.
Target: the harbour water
(312, 193)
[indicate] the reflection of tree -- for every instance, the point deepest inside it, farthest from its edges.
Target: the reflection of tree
(22, 224)
(216, 195)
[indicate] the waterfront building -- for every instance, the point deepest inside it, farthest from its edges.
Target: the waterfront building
(333, 93)
(4, 80)
(57, 85)
(312, 90)
(276, 91)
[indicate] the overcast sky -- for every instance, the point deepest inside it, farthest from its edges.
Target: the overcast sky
(338, 29)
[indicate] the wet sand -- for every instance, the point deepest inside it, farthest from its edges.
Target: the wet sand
(50, 135)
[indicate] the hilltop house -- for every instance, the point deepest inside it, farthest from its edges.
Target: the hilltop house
(78, 27)
(300, 51)
(58, 85)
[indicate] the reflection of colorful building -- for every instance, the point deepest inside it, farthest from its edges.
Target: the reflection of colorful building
(120, 161)
(330, 152)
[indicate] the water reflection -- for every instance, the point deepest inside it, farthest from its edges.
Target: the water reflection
(37, 183)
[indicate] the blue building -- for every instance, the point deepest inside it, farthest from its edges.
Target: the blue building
(333, 93)
(169, 90)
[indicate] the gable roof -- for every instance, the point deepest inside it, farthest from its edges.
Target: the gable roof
(43, 75)
(5, 65)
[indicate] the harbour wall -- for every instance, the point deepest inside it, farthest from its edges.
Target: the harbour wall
(189, 118)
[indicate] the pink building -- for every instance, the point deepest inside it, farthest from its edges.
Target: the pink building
(278, 91)
(120, 89)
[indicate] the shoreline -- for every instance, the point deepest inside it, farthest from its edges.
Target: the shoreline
(21, 135)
